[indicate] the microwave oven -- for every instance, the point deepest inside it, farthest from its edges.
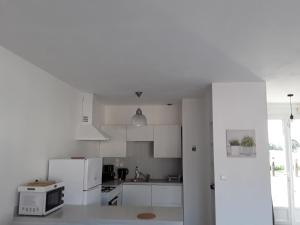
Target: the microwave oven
(40, 198)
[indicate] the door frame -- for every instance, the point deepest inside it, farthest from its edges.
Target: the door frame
(282, 112)
(288, 167)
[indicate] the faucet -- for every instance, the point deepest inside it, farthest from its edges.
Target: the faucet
(138, 173)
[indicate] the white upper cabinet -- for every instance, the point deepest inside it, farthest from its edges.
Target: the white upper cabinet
(140, 133)
(116, 146)
(167, 141)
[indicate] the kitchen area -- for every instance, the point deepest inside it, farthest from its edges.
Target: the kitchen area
(143, 163)
(127, 168)
(159, 173)
(134, 112)
(141, 180)
(146, 178)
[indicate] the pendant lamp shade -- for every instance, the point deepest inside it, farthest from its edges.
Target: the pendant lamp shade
(291, 116)
(138, 119)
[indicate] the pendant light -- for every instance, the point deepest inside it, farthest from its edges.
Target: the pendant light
(290, 96)
(138, 119)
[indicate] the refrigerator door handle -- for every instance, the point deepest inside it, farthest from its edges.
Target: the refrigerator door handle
(93, 188)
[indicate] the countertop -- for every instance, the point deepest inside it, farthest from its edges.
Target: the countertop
(151, 182)
(97, 215)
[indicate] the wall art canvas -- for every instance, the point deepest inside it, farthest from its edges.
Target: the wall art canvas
(240, 143)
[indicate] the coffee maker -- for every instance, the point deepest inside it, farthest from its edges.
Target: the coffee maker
(122, 173)
(108, 173)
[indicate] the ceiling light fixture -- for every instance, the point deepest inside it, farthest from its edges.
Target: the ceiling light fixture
(290, 96)
(138, 119)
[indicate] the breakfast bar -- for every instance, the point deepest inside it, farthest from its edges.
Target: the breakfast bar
(97, 215)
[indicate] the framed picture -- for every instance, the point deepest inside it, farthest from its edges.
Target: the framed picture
(240, 143)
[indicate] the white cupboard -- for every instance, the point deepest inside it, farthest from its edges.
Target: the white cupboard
(167, 195)
(167, 141)
(140, 133)
(116, 146)
(136, 195)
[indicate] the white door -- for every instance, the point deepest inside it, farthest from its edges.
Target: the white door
(167, 141)
(279, 171)
(71, 172)
(136, 195)
(284, 145)
(295, 163)
(93, 173)
(167, 195)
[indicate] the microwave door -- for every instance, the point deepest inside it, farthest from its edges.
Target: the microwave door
(54, 199)
(93, 173)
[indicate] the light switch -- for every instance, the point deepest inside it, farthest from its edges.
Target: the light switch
(195, 148)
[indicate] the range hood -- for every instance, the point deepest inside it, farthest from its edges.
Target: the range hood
(90, 119)
(90, 133)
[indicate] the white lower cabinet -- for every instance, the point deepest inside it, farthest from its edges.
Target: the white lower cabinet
(136, 195)
(167, 195)
(152, 195)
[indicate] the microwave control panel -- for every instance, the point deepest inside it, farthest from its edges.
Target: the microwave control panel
(31, 203)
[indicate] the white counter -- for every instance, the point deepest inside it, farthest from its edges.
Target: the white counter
(151, 182)
(97, 215)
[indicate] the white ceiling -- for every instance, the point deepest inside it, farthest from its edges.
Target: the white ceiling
(168, 48)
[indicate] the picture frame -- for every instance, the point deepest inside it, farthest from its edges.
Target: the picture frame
(241, 143)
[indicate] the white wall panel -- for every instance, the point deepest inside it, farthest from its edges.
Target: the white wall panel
(243, 195)
(38, 116)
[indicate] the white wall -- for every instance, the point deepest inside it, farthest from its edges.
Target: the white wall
(37, 122)
(245, 197)
(155, 114)
(196, 165)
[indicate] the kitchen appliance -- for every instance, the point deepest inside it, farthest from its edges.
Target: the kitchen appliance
(87, 131)
(39, 198)
(122, 173)
(82, 178)
(108, 173)
(174, 178)
(111, 195)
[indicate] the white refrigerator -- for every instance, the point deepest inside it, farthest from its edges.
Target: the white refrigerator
(82, 178)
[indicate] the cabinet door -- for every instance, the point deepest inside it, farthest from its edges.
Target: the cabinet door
(140, 133)
(136, 195)
(167, 195)
(116, 146)
(167, 141)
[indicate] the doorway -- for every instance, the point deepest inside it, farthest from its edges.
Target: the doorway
(284, 148)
